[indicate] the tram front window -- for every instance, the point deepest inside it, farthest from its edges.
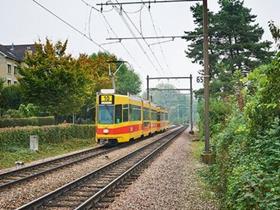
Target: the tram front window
(106, 114)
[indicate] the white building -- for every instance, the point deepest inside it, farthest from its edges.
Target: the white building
(11, 56)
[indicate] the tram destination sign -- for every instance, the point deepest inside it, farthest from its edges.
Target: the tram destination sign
(106, 99)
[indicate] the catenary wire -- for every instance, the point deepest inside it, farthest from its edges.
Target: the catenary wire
(152, 52)
(115, 34)
(137, 41)
(135, 27)
(69, 25)
(111, 29)
(156, 33)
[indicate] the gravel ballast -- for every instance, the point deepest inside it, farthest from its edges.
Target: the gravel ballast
(25, 192)
(170, 182)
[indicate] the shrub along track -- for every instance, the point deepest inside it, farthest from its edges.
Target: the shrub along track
(99, 186)
(22, 174)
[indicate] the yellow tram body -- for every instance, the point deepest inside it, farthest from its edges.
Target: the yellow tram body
(121, 118)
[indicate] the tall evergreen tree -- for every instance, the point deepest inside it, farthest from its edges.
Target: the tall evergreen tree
(275, 32)
(234, 38)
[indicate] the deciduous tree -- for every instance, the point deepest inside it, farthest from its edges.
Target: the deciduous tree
(53, 80)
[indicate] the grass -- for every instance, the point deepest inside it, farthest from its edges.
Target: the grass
(11, 154)
(207, 194)
(197, 149)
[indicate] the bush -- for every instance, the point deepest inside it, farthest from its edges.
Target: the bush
(18, 137)
(218, 111)
(246, 173)
(32, 121)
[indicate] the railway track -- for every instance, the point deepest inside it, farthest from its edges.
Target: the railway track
(101, 185)
(22, 174)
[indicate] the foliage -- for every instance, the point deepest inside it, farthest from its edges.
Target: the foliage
(176, 102)
(1, 84)
(29, 110)
(10, 97)
(127, 81)
(53, 80)
(218, 112)
(234, 39)
(263, 108)
(275, 32)
(246, 174)
(97, 68)
(30, 121)
(19, 137)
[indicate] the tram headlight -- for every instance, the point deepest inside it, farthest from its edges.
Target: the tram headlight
(105, 130)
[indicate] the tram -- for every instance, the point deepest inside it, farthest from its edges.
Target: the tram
(122, 118)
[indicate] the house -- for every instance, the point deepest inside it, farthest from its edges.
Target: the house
(11, 57)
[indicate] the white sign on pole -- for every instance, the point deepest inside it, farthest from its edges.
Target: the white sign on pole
(34, 142)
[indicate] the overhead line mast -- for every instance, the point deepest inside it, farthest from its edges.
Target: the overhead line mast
(164, 89)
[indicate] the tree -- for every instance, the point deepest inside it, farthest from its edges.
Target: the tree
(176, 102)
(263, 108)
(11, 97)
(275, 32)
(234, 38)
(127, 81)
(97, 67)
(53, 80)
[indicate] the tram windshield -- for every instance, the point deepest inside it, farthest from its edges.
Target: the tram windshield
(106, 114)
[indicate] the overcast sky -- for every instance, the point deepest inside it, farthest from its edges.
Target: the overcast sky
(24, 22)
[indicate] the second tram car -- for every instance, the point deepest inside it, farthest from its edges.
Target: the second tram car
(121, 118)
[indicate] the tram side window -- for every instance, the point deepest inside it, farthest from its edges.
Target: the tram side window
(161, 116)
(154, 115)
(118, 113)
(158, 116)
(125, 112)
(135, 113)
(146, 114)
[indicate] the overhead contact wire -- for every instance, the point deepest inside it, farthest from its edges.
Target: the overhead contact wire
(69, 25)
(155, 57)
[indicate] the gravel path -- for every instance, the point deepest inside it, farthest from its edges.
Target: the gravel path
(25, 192)
(170, 182)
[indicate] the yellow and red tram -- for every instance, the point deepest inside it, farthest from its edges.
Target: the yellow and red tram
(121, 118)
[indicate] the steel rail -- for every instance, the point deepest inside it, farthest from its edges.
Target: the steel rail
(50, 198)
(93, 201)
(22, 174)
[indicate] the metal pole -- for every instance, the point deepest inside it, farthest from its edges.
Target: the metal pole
(206, 76)
(191, 105)
(113, 82)
(148, 97)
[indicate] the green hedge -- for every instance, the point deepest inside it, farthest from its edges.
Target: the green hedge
(18, 137)
(32, 121)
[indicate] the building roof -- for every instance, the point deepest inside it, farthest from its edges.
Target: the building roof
(16, 52)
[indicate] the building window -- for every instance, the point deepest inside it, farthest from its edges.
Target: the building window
(15, 82)
(9, 82)
(15, 69)
(9, 69)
